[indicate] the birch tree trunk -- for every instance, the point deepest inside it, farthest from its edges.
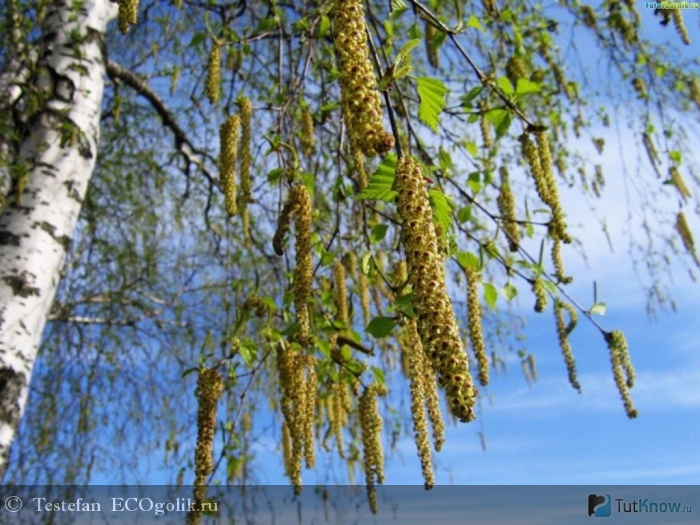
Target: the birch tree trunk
(59, 156)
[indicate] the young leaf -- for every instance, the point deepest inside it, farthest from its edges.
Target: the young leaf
(404, 54)
(380, 185)
(381, 326)
(526, 87)
(432, 101)
(442, 208)
(378, 232)
(490, 295)
(468, 260)
(474, 22)
(378, 375)
(509, 291)
(598, 309)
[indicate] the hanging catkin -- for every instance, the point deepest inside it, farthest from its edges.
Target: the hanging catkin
(437, 325)
(361, 101)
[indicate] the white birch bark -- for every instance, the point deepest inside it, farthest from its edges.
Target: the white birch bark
(36, 232)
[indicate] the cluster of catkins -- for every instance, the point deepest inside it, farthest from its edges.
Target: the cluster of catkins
(424, 392)
(360, 98)
(437, 324)
(298, 381)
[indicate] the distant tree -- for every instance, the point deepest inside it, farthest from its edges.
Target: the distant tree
(305, 203)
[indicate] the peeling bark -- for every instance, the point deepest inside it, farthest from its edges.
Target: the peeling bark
(35, 232)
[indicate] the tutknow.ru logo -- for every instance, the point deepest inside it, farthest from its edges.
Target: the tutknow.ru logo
(600, 506)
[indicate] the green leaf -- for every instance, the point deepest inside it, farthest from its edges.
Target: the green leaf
(380, 185)
(464, 214)
(505, 85)
(378, 232)
(379, 375)
(675, 156)
(248, 352)
(468, 260)
(442, 208)
(598, 309)
(472, 149)
(526, 87)
(473, 93)
(490, 295)
(381, 326)
(501, 119)
(324, 26)
(432, 101)
(404, 54)
(404, 305)
(398, 7)
(509, 291)
(197, 39)
(402, 71)
(474, 22)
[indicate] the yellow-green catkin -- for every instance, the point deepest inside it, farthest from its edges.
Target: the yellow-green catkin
(361, 101)
(303, 271)
(423, 390)
(558, 263)
(678, 182)
(417, 375)
(246, 157)
(588, 16)
(540, 292)
(293, 396)
(515, 70)
(212, 83)
(506, 207)
(210, 386)
(228, 155)
(679, 24)
(278, 240)
(652, 154)
(359, 162)
(437, 324)
(490, 7)
(695, 91)
(476, 332)
(431, 48)
(686, 236)
(623, 371)
(364, 297)
(308, 141)
(128, 14)
(486, 137)
(640, 87)
(341, 291)
(557, 225)
(309, 416)
(563, 331)
(371, 428)
(245, 195)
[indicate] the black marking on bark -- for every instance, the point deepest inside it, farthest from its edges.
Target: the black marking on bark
(65, 241)
(48, 228)
(12, 384)
(9, 239)
(19, 285)
(72, 192)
